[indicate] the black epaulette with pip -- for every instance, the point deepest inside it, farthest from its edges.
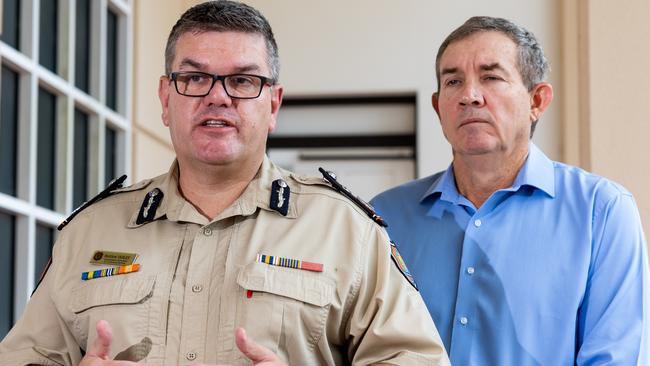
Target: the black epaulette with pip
(112, 186)
(365, 206)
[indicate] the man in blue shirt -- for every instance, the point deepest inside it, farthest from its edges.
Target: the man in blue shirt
(521, 260)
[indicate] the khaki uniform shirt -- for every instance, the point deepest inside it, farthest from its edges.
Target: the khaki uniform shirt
(199, 280)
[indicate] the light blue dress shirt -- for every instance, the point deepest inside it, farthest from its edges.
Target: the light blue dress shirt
(552, 271)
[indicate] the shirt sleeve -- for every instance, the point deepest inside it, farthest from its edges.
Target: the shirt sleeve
(613, 320)
(40, 336)
(388, 320)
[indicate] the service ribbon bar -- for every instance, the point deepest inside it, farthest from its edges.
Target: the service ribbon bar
(289, 263)
(113, 271)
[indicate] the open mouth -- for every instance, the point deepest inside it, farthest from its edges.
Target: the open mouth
(216, 123)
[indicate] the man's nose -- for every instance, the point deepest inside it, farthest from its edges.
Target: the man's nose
(471, 96)
(218, 95)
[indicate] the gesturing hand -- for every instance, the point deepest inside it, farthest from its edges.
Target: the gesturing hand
(260, 355)
(97, 354)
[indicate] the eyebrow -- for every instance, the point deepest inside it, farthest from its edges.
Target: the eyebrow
(486, 67)
(237, 70)
(491, 67)
(247, 68)
(191, 63)
(449, 70)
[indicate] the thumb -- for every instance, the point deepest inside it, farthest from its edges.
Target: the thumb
(102, 345)
(252, 350)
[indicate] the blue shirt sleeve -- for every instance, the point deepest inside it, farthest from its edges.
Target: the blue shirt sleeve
(613, 317)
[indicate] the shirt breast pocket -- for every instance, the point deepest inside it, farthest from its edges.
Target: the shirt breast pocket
(290, 304)
(123, 301)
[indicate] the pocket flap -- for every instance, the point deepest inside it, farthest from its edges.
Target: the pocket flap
(111, 291)
(311, 288)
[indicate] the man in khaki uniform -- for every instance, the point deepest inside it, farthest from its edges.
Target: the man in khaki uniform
(170, 271)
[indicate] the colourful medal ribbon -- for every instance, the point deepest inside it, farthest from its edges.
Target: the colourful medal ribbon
(107, 272)
(289, 263)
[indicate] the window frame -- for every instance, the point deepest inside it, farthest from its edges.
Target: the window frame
(32, 76)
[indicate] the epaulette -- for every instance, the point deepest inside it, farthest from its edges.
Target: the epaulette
(112, 186)
(365, 206)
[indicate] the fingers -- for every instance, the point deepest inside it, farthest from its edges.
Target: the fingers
(102, 345)
(252, 350)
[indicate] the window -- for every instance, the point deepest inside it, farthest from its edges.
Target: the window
(48, 32)
(8, 130)
(6, 272)
(46, 149)
(44, 243)
(82, 45)
(80, 169)
(110, 157)
(11, 22)
(111, 60)
(64, 127)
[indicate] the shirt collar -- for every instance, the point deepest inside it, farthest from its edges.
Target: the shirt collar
(445, 186)
(538, 172)
(257, 194)
(172, 206)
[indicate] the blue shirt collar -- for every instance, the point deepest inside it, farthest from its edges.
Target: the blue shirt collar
(537, 171)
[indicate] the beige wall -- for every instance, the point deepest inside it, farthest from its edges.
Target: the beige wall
(152, 150)
(619, 54)
(608, 107)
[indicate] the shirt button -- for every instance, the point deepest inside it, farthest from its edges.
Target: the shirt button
(477, 222)
(207, 231)
(197, 288)
(470, 270)
(463, 320)
(191, 356)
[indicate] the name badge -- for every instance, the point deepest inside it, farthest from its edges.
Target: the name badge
(102, 257)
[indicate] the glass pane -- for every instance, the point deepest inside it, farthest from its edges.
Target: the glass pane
(8, 130)
(46, 149)
(80, 170)
(111, 60)
(44, 243)
(48, 34)
(6, 272)
(82, 45)
(109, 155)
(11, 22)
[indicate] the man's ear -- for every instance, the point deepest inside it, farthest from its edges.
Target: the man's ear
(540, 97)
(434, 103)
(163, 96)
(277, 91)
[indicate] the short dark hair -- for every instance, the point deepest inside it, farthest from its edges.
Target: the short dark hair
(224, 16)
(531, 62)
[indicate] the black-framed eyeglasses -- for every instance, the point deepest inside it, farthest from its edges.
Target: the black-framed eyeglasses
(199, 84)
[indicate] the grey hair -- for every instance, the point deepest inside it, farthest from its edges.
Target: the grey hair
(531, 62)
(224, 16)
